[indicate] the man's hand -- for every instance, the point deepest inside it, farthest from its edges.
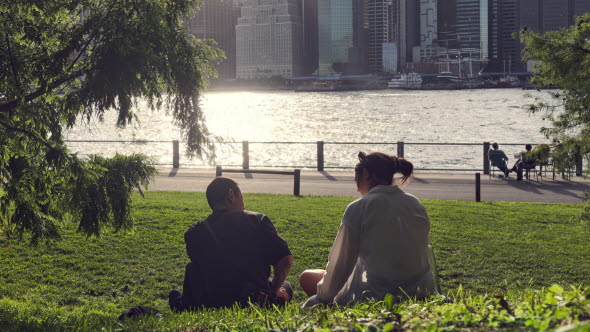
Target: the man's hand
(282, 293)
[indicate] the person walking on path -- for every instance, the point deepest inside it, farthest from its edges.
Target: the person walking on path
(382, 243)
(498, 159)
(231, 253)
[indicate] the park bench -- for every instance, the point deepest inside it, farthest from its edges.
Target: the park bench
(296, 175)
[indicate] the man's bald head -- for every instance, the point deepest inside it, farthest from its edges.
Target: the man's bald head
(222, 191)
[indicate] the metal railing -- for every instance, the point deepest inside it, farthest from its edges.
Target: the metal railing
(320, 153)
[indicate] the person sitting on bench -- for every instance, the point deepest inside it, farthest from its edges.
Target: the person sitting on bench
(525, 161)
(498, 159)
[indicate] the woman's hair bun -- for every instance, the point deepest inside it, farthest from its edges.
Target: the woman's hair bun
(362, 156)
(382, 166)
(404, 167)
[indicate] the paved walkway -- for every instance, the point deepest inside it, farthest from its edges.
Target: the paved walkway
(449, 186)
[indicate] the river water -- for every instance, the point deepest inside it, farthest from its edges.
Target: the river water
(462, 116)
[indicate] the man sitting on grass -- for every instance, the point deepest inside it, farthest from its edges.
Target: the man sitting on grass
(231, 252)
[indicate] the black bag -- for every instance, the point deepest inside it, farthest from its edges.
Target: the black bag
(139, 311)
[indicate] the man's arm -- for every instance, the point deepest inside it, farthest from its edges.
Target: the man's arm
(281, 271)
(277, 254)
(190, 251)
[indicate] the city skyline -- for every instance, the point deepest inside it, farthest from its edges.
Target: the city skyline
(289, 38)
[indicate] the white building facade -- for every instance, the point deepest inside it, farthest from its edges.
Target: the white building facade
(268, 39)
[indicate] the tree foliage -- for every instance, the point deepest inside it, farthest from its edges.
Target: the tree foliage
(66, 60)
(563, 61)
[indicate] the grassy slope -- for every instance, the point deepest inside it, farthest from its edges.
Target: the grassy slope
(493, 248)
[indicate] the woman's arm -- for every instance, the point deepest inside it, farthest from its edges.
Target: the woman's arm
(341, 262)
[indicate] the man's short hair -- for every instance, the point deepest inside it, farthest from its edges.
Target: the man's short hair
(495, 146)
(218, 190)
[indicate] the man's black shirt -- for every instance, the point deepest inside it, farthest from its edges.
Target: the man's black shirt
(231, 253)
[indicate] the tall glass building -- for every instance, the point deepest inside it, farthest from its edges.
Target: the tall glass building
(447, 23)
(309, 13)
(379, 29)
(531, 15)
(341, 37)
(217, 19)
(549, 15)
(472, 23)
(581, 7)
(556, 14)
(509, 47)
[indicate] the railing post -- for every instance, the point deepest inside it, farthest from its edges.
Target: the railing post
(486, 158)
(320, 149)
(296, 182)
(245, 155)
(477, 187)
(579, 164)
(175, 154)
(218, 171)
(400, 149)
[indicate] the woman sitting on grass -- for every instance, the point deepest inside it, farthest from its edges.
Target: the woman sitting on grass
(382, 243)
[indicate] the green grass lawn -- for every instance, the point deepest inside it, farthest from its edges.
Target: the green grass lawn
(516, 250)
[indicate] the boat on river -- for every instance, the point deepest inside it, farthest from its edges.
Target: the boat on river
(410, 81)
(508, 81)
(444, 81)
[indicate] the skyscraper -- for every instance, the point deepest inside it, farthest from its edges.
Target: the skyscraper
(550, 15)
(509, 46)
(269, 39)
(581, 7)
(399, 29)
(404, 25)
(379, 22)
(309, 13)
(428, 23)
(447, 23)
(412, 22)
(216, 19)
(531, 15)
(341, 37)
(472, 24)
(504, 45)
(556, 14)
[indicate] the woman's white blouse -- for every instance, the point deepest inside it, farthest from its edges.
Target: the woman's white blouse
(381, 248)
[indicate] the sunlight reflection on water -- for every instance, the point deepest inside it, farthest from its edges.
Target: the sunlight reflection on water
(467, 116)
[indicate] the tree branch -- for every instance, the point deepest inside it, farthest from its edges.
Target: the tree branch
(28, 133)
(9, 106)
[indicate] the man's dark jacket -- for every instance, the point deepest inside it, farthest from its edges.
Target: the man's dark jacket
(231, 254)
